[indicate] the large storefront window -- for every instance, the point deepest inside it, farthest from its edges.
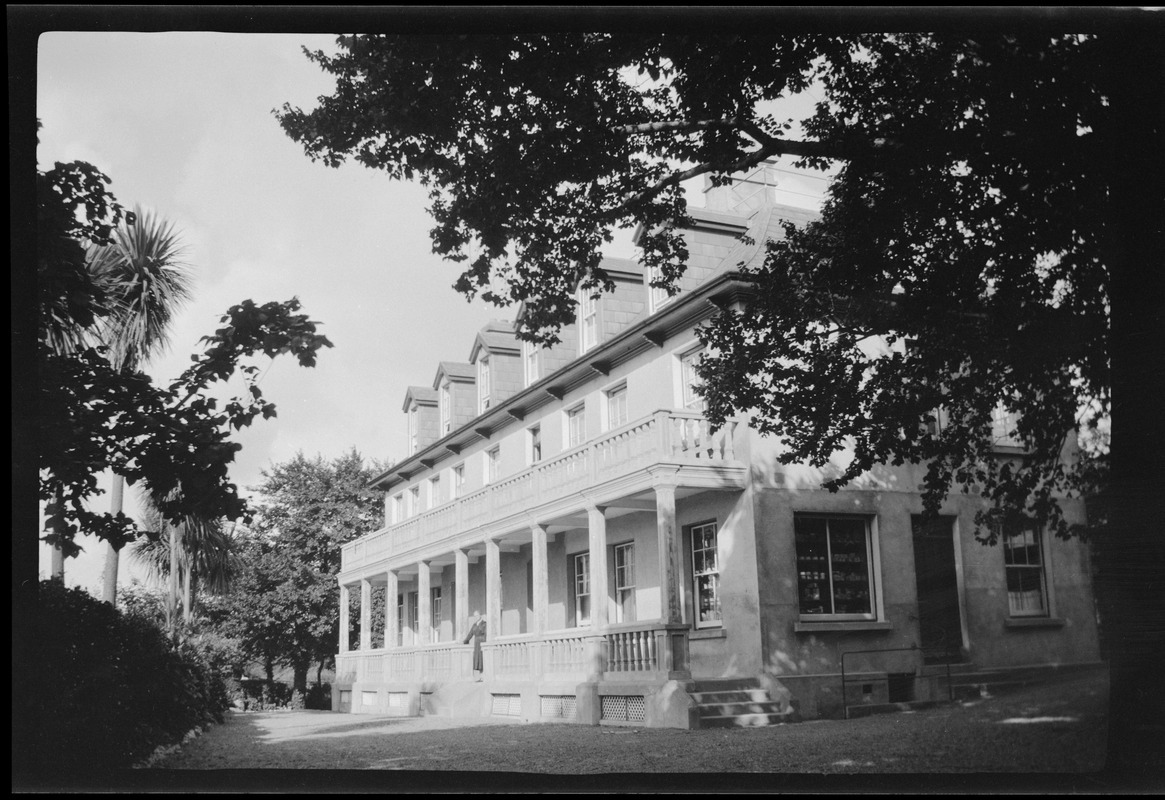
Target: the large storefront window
(706, 576)
(834, 567)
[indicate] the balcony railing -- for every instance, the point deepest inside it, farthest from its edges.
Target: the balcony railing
(681, 437)
(632, 650)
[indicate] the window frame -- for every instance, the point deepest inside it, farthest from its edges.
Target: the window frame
(483, 384)
(414, 427)
(828, 569)
(578, 411)
(414, 614)
(1041, 568)
(609, 394)
(531, 363)
(457, 481)
(625, 610)
(434, 490)
(397, 507)
(687, 397)
(657, 297)
(493, 458)
(534, 448)
(446, 407)
(414, 500)
(582, 576)
(400, 619)
(693, 531)
(588, 313)
(435, 601)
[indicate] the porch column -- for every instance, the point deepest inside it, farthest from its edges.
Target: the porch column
(541, 589)
(365, 615)
(424, 610)
(461, 595)
(391, 630)
(670, 557)
(344, 601)
(493, 589)
(597, 528)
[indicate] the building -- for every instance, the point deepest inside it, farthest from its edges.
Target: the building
(634, 566)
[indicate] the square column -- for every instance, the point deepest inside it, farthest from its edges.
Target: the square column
(541, 587)
(365, 615)
(461, 597)
(670, 558)
(424, 611)
(493, 589)
(391, 629)
(345, 599)
(597, 528)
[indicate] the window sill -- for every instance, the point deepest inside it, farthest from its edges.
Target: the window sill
(842, 627)
(708, 633)
(1033, 622)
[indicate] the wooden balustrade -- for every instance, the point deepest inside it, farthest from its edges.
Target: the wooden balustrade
(665, 436)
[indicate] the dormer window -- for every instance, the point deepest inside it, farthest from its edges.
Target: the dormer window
(413, 426)
(446, 409)
(657, 296)
(483, 384)
(588, 321)
(530, 362)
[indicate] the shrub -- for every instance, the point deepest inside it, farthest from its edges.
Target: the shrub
(319, 697)
(109, 688)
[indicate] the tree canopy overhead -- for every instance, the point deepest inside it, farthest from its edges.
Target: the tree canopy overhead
(998, 194)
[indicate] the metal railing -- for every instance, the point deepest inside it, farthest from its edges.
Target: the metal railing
(845, 680)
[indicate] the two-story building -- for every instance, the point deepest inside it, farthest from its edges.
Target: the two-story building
(634, 566)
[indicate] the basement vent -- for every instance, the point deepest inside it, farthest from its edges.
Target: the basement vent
(397, 699)
(624, 708)
(506, 705)
(559, 706)
(345, 696)
(368, 698)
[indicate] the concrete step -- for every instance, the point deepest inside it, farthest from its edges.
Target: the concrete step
(748, 720)
(746, 707)
(730, 696)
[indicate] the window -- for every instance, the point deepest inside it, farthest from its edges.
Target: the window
(658, 297)
(1003, 432)
(1024, 565)
(412, 429)
(446, 409)
(588, 321)
(492, 459)
(414, 500)
(706, 576)
(435, 612)
(534, 439)
(689, 381)
(530, 361)
(400, 620)
(617, 406)
(434, 491)
(835, 574)
(483, 384)
(625, 582)
(457, 489)
(582, 589)
(398, 508)
(576, 426)
(414, 610)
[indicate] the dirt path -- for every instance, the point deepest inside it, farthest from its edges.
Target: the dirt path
(1055, 728)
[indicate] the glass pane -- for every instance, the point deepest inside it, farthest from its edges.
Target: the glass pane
(813, 579)
(1025, 590)
(708, 598)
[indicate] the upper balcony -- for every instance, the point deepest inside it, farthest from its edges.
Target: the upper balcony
(677, 438)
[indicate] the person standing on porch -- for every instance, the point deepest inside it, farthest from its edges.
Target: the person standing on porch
(477, 634)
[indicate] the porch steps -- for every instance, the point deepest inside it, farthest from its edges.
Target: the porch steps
(739, 704)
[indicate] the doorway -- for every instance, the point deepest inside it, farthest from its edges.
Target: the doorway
(940, 625)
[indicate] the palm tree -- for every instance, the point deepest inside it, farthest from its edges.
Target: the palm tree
(145, 281)
(196, 553)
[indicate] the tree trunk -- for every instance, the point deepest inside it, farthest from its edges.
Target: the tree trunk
(1131, 551)
(58, 564)
(113, 554)
(269, 667)
(187, 591)
(299, 681)
(320, 673)
(172, 599)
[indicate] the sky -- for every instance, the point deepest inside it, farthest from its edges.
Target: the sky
(182, 123)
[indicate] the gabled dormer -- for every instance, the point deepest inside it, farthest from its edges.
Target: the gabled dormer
(540, 362)
(423, 424)
(456, 391)
(497, 360)
(604, 317)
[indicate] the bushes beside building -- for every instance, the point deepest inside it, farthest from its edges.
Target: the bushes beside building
(107, 688)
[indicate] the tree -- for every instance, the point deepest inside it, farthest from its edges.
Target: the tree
(997, 193)
(285, 606)
(144, 278)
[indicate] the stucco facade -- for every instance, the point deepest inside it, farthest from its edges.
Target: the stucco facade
(626, 557)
